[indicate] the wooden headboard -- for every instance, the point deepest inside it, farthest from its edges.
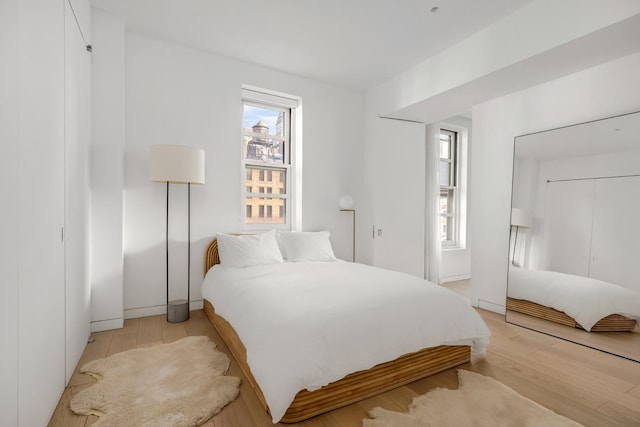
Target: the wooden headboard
(211, 256)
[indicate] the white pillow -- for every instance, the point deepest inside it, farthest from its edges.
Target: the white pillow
(305, 246)
(248, 250)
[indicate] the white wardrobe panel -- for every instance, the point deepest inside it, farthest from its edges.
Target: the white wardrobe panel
(615, 256)
(567, 226)
(398, 204)
(9, 212)
(41, 299)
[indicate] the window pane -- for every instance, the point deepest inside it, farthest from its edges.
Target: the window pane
(444, 204)
(445, 146)
(445, 173)
(446, 201)
(447, 220)
(446, 228)
(255, 180)
(270, 121)
(264, 130)
(265, 210)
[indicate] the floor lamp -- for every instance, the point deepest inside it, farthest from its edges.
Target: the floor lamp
(520, 218)
(346, 205)
(177, 164)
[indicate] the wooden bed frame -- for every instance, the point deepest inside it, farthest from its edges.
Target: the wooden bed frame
(611, 323)
(350, 389)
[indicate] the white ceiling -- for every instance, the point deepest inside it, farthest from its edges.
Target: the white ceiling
(352, 43)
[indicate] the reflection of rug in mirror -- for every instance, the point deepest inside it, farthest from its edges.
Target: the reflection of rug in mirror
(479, 401)
(182, 383)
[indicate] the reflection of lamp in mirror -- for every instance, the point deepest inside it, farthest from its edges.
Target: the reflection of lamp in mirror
(178, 164)
(346, 205)
(520, 218)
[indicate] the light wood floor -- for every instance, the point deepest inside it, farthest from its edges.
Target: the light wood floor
(589, 386)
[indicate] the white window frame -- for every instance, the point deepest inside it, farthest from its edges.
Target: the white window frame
(292, 162)
(460, 187)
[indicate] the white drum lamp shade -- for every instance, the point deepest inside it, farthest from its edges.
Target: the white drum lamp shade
(177, 164)
(520, 218)
(346, 202)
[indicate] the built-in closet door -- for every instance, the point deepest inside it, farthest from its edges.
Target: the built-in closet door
(77, 129)
(616, 231)
(398, 195)
(567, 226)
(41, 288)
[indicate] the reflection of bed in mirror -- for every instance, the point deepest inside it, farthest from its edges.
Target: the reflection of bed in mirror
(575, 301)
(580, 186)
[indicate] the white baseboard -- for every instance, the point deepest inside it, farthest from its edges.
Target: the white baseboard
(491, 306)
(456, 278)
(132, 313)
(106, 325)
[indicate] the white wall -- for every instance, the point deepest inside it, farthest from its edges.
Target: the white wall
(107, 171)
(602, 91)
(177, 95)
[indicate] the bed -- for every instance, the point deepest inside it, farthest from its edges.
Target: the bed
(301, 371)
(575, 301)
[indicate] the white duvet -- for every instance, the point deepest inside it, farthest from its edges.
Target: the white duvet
(307, 324)
(585, 299)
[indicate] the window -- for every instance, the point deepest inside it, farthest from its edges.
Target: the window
(267, 159)
(448, 187)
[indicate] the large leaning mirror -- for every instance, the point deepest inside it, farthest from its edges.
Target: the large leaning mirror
(574, 259)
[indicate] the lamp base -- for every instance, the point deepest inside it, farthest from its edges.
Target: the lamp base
(177, 311)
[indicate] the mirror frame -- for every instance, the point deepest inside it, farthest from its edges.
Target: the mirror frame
(634, 145)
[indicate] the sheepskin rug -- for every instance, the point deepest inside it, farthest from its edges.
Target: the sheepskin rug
(479, 401)
(182, 383)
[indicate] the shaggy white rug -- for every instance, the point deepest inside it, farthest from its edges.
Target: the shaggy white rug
(479, 401)
(177, 384)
